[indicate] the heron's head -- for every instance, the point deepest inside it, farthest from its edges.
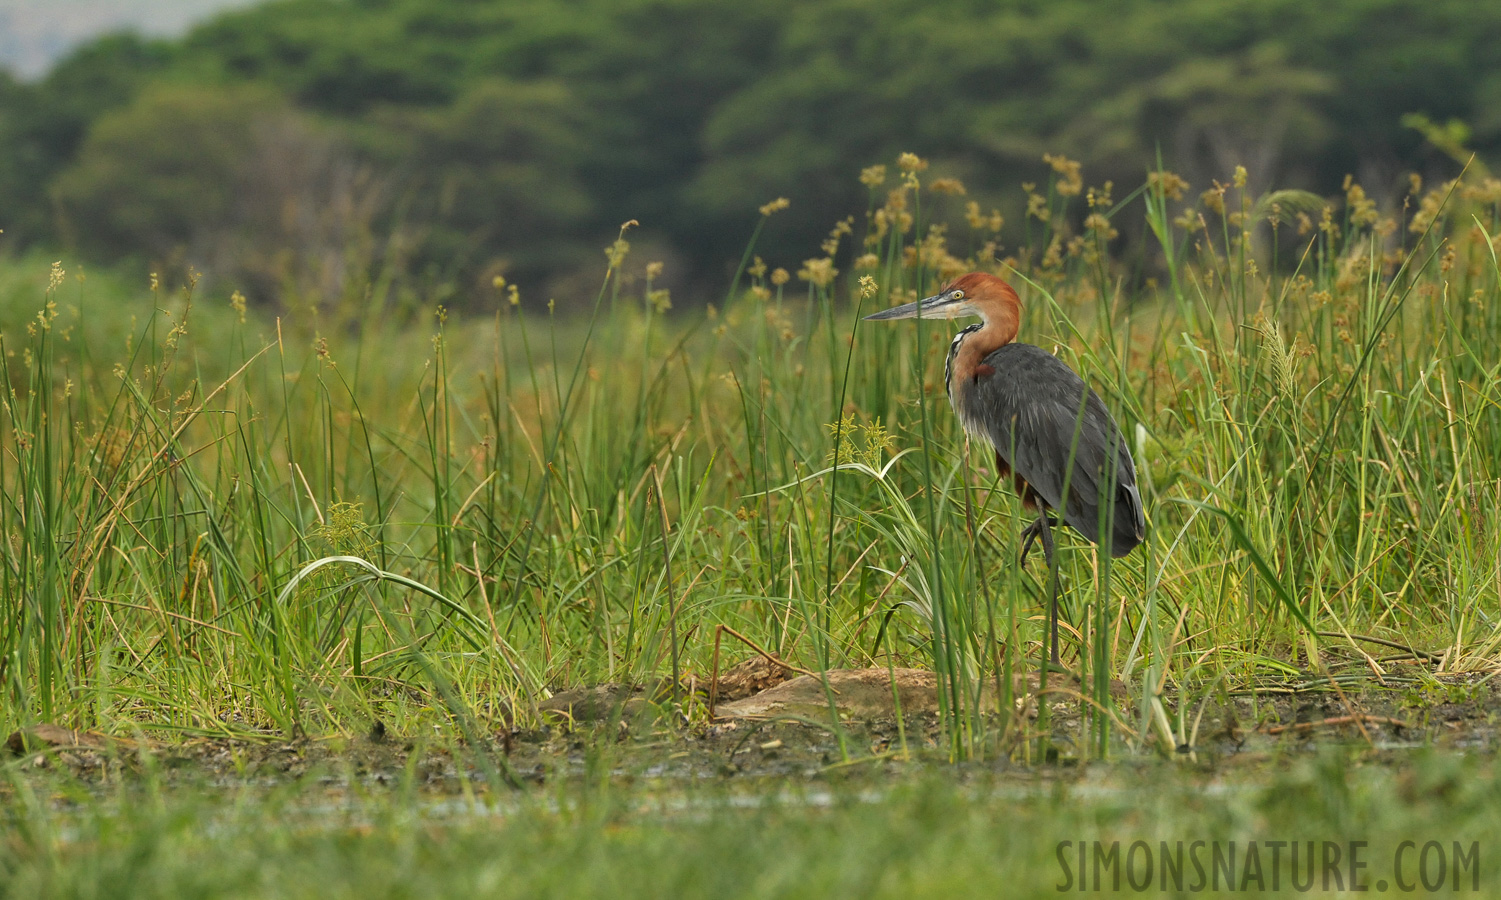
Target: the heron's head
(976, 294)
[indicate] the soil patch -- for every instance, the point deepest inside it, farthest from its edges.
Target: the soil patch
(624, 731)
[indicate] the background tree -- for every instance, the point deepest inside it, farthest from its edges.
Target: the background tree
(484, 136)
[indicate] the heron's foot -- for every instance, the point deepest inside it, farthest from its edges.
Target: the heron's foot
(1031, 534)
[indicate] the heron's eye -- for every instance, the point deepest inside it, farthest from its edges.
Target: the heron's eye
(956, 295)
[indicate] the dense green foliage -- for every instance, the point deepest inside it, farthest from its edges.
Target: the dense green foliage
(480, 137)
(218, 521)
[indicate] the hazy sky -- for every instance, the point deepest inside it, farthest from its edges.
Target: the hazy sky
(36, 33)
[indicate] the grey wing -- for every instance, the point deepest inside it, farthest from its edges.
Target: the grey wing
(1038, 413)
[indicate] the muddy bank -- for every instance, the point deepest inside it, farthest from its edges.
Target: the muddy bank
(774, 722)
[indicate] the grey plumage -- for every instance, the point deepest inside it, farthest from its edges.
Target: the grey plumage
(1029, 410)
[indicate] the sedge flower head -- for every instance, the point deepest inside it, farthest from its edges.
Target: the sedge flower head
(776, 205)
(1214, 199)
(1070, 178)
(617, 251)
(1170, 184)
(911, 162)
(818, 272)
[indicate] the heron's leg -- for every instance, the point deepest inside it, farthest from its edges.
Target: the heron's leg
(1029, 536)
(1045, 532)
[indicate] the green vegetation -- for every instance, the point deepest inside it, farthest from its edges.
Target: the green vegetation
(535, 503)
(899, 836)
(476, 138)
(418, 492)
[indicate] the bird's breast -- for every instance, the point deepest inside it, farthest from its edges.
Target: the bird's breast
(962, 389)
(963, 371)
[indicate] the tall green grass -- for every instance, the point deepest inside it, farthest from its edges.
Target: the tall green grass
(1310, 391)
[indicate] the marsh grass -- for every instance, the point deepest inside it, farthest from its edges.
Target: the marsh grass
(896, 834)
(218, 524)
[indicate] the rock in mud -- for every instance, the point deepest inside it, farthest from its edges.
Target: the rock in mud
(860, 693)
(47, 736)
(875, 693)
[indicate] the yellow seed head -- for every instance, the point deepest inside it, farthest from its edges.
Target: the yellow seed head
(818, 272)
(1362, 209)
(911, 162)
(1037, 207)
(1214, 199)
(617, 251)
(1098, 224)
(978, 220)
(1070, 180)
(972, 215)
(1170, 184)
(776, 205)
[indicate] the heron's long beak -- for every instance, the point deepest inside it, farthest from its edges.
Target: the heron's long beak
(942, 306)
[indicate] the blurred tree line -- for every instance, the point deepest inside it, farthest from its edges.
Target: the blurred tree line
(337, 147)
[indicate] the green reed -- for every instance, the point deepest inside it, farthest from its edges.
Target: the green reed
(564, 499)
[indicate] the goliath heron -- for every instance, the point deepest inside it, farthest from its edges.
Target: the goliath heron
(1048, 428)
